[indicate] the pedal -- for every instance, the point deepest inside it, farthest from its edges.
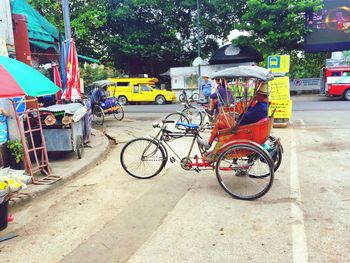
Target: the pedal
(196, 169)
(172, 160)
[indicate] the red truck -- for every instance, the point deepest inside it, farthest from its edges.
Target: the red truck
(335, 81)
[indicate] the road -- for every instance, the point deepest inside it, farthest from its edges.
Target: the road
(184, 216)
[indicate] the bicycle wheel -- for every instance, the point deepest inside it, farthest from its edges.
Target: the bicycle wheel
(195, 96)
(143, 158)
(119, 113)
(194, 115)
(182, 97)
(278, 160)
(245, 171)
(98, 115)
(173, 119)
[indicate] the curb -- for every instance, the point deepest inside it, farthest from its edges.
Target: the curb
(24, 198)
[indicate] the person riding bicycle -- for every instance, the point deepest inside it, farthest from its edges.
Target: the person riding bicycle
(255, 113)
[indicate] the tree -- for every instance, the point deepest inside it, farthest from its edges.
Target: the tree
(145, 35)
(278, 27)
(88, 20)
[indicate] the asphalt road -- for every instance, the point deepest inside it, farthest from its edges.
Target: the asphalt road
(184, 216)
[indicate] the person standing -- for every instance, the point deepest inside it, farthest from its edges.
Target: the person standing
(206, 87)
(221, 98)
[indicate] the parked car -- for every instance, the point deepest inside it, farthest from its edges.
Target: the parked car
(139, 90)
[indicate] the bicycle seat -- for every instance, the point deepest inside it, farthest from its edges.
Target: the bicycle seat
(188, 125)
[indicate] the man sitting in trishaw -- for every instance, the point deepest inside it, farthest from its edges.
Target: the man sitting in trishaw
(228, 123)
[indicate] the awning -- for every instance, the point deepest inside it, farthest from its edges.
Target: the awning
(235, 54)
(89, 59)
(41, 32)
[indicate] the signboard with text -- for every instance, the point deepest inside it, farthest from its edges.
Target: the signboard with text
(280, 103)
(281, 109)
(279, 88)
(278, 63)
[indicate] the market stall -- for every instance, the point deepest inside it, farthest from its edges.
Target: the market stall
(64, 127)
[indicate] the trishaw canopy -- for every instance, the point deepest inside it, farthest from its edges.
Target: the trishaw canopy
(245, 72)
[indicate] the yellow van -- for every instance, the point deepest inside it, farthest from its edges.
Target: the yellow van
(139, 90)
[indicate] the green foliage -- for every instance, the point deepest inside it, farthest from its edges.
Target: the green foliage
(277, 27)
(307, 65)
(149, 36)
(16, 148)
(151, 33)
(91, 73)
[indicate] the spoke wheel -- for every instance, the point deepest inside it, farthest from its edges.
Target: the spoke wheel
(194, 115)
(175, 118)
(98, 116)
(245, 171)
(143, 158)
(119, 113)
(195, 96)
(182, 98)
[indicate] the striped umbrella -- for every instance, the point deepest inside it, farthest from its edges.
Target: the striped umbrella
(72, 75)
(58, 81)
(18, 79)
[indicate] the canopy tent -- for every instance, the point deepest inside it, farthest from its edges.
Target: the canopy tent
(245, 72)
(41, 33)
(235, 54)
(18, 79)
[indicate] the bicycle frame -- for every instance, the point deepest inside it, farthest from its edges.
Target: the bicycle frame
(164, 136)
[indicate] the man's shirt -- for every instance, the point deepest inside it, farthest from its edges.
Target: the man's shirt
(255, 113)
(206, 88)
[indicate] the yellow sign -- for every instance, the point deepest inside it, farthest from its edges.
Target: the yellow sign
(278, 63)
(281, 109)
(279, 88)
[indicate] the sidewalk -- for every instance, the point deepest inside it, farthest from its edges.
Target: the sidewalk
(67, 166)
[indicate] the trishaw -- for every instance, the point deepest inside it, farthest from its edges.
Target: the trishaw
(247, 155)
(102, 103)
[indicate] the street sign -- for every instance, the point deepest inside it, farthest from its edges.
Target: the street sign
(197, 61)
(278, 63)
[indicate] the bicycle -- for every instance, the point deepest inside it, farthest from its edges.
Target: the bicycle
(198, 114)
(183, 96)
(102, 104)
(244, 170)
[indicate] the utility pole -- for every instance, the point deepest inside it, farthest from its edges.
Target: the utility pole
(198, 47)
(198, 31)
(66, 19)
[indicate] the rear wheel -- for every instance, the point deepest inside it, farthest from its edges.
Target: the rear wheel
(119, 113)
(143, 158)
(98, 115)
(195, 96)
(160, 99)
(347, 95)
(245, 171)
(122, 100)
